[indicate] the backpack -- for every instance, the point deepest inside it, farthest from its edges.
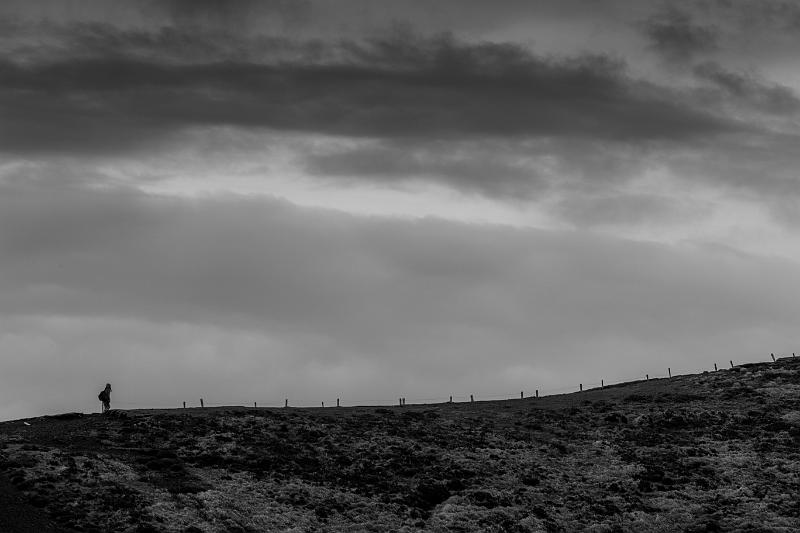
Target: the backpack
(103, 397)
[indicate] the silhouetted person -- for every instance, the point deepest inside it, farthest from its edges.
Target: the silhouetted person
(105, 397)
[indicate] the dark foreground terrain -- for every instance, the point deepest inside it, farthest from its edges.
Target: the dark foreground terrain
(710, 452)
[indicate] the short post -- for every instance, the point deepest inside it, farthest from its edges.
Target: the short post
(337, 402)
(669, 371)
(201, 403)
(602, 384)
(451, 399)
(773, 357)
(581, 387)
(520, 395)
(471, 398)
(715, 367)
(399, 402)
(647, 377)
(184, 405)
(255, 405)
(404, 400)
(323, 404)
(731, 363)
(286, 402)
(537, 393)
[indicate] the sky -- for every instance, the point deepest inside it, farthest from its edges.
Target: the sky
(249, 201)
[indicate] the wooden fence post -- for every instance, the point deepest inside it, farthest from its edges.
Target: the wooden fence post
(537, 393)
(715, 367)
(602, 384)
(581, 387)
(471, 398)
(669, 371)
(337, 402)
(731, 363)
(520, 395)
(255, 405)
(323, 404)
(451, 399)
(647, 377)
(201, 403)
(286, 402)
(184, 405)
(773, 357)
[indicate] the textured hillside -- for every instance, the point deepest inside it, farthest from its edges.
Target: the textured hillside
(711, 452)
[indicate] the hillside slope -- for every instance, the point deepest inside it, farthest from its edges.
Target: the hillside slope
(708, 452)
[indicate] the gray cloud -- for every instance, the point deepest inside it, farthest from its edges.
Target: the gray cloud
(772, 14)
(239, 13)
(486, 168)
(749, 90)
(673, 34)
(404, 298)
(623, 210)
(402, 87)
(510, 170)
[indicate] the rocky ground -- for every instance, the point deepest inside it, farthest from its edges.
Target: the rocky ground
(709, 452)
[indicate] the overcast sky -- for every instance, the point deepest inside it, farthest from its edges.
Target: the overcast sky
(366, 199)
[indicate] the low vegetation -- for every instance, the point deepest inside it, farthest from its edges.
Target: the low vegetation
(716, 451)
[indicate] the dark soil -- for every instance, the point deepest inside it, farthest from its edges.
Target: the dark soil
(710, 452)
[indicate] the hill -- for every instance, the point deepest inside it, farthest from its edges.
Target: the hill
(709, 452)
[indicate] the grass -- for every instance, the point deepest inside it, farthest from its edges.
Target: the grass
(708, 452)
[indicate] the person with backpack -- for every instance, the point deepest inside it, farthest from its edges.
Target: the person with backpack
(105, 397)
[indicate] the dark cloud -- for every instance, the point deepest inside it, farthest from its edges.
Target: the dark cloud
(675, 37)
(509, 170)
(402, 87)
(783, 15)
(623, 210)
(228, 14)
(749, 90)
(484, 168)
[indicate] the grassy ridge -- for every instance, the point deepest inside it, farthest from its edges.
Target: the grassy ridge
(708, 452)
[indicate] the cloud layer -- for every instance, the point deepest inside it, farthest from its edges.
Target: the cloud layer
(402, 87)
(316, 288)
(154, 158)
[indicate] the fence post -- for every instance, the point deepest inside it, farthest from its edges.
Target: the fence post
(337, 402)
(201, 403)
(731, 363)
(773, 357)
(184, 405)
(715, 367)
(323, 404)
(537, 393)
(255, 405)
(669, 371)
(471, 398)
(520, 395)
(451, 398)
(647, 377)
(286, 402)
(581, 387)
(602, 384)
